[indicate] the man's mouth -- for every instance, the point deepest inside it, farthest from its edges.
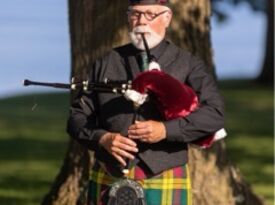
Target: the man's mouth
(142, 33)
(141, 30)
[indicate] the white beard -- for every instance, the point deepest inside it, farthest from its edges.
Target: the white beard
(152, 38)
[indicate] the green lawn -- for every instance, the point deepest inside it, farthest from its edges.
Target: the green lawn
(250, 142)
(33, 140)
(32, 146)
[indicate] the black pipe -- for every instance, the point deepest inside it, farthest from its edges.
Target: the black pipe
(150, 57)
(27, 82)
(108, 86)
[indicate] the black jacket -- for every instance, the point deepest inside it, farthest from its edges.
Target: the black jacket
(93, 114)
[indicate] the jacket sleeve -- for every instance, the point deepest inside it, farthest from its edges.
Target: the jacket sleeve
(205, 120)
(82, 122)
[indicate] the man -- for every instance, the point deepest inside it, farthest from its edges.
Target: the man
(156, 148)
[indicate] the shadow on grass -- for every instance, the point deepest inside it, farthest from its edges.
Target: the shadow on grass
(12, 200)
(249, 109)
(21, 191)
(28, 149)
(33, 142)
(253, 160)
(21, 185)
(249, 123)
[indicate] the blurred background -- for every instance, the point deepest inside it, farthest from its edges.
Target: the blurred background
(34, 39)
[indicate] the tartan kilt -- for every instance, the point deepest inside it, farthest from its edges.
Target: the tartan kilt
(171, 187)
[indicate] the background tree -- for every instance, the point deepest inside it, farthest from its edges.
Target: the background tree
(97, 26)
(266, 75)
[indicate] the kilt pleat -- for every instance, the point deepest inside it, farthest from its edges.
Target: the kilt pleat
(171, 187)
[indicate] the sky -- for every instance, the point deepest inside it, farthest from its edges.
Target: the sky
(239, 44)
(34, 44)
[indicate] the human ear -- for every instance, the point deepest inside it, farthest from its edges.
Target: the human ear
(168, 18)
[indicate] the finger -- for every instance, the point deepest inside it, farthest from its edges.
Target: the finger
(141, 138)
(147, 138)
(127, 141)
(122, 153)
(135, 137)
(138, 125)
(120, 159)
(127, 147)
(139, 131)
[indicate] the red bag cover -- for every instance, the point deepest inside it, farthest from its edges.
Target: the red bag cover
(174, 99)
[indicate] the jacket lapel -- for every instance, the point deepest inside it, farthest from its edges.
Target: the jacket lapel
(133, 66)
(167, 57)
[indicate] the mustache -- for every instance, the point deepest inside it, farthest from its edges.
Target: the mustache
(151, 36)
(142, 29)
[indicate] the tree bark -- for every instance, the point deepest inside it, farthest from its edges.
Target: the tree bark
(97, 26)
(267, 73)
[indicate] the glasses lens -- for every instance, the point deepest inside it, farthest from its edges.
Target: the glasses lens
(149, 15)
(134, 14)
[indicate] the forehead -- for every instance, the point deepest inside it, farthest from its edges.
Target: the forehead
(148, 7)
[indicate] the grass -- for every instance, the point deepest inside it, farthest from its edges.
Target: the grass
(33, 140)
(250, 142)
(32, 146)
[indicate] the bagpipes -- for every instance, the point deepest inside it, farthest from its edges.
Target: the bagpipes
(174, 100)
(179, 103)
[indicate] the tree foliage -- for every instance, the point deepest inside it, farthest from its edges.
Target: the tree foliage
(221, 15)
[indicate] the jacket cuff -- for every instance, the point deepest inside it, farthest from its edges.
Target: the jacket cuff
(98, 134)
(173, 130)
(92, 141)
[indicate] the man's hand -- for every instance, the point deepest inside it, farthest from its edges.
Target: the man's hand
(118, 146)
(147, 131)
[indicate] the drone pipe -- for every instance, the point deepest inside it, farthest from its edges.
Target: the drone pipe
(27, 82)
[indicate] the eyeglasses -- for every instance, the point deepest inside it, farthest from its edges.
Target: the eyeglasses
(149, 15)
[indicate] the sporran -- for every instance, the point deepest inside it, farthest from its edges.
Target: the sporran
(126, 192)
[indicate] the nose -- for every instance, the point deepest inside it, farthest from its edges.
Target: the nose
(142, 20)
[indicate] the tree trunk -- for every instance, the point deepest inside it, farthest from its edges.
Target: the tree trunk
(267, 74)
(97, 26)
